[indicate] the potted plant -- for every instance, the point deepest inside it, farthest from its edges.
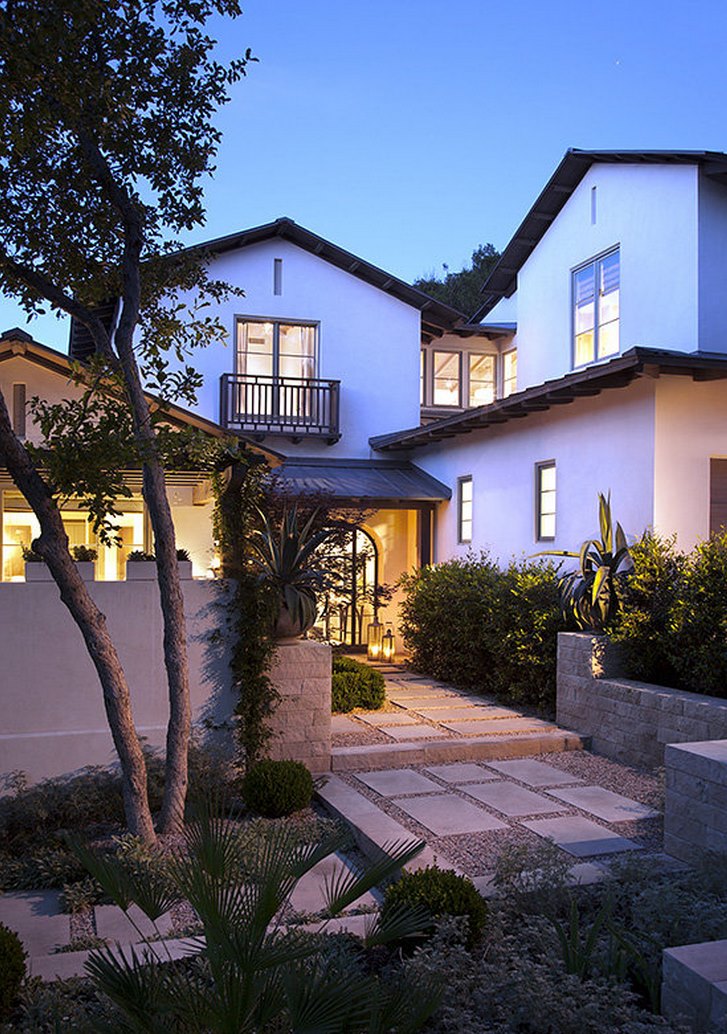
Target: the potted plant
(85, 557)
(285, 559)
(185, 565)
(140, 566)
(36, 569)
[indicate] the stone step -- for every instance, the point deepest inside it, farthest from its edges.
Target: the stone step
(471, 748)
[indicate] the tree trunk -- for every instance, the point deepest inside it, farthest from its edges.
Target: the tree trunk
(52, 545)
(170, 591)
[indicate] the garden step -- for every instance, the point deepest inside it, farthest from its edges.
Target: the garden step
(471, 748)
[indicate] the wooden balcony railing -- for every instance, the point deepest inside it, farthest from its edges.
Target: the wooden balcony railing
(295, 406)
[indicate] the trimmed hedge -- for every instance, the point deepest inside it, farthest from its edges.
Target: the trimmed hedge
(277, 788)
(672, 624)
(12, 970)
(356, 685)
(471, 623)
(443, 893)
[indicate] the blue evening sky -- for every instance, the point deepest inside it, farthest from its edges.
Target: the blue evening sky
(409, 133)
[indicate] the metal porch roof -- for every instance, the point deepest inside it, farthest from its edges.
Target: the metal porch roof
(361, 481)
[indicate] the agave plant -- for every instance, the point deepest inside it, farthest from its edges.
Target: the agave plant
(247, 973)
(588, 595)
(284, 558)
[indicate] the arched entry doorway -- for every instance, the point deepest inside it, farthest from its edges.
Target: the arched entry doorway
(351, 604)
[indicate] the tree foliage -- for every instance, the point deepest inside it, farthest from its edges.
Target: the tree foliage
(462, 290)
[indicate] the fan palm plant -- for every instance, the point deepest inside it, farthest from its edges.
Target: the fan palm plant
(285, 559)
(246, 973)
(588, 595)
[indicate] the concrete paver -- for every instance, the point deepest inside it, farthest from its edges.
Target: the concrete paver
(534, 773)
(445, 814)
(35, 917)
(412, 732)
(461, 772)
(511, 799)
(396, 781)
(420, 699)
(310, 892)
(581, 837)
(604, 804)
(344, 723)
(112, 924)
(378, 718)
(497, 726)
(461, 712)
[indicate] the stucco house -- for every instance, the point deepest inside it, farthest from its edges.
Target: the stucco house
(597, 361)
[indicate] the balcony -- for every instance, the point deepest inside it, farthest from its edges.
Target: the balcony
(299, 407)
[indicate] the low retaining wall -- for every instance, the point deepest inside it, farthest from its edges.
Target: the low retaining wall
(626, 720)
(694, 986)
(695, 811)
(52, 719)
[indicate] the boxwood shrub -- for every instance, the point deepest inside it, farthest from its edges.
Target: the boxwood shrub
(277, 788)
(494, 630)
(443, 893)
(356, 685)
(12, 970)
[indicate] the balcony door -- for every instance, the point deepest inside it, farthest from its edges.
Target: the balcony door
(276, 359)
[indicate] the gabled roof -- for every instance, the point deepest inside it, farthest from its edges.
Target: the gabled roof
(502, 281)
(18, 343)
(434, 313)
(617, 373)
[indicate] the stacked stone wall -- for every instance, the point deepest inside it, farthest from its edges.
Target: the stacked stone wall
(301, 725)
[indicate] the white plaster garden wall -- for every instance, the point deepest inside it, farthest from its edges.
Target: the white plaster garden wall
(650, 212)
(368, 340)
(600, 443)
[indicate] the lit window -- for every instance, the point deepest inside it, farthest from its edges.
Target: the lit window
(446, 379)
(268, 348)
(481, 379)
(422, 377)
(545, 501)
(596, 309)
(509, 373)
(464, 509)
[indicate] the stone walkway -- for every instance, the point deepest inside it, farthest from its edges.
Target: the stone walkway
(427, 721)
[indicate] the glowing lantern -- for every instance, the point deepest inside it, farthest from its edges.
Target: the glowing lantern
(374, 635)
(388, 645)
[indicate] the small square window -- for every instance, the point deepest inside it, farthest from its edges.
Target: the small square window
(464, 509)
(545, 501)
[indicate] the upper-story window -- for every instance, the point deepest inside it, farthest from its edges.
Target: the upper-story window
(482, 383)
(271, 348)
(596, 309)
(446, 379)
(509, 372)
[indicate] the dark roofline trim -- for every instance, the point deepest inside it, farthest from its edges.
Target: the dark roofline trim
(574, 165)
(437, 313)
(617, 373)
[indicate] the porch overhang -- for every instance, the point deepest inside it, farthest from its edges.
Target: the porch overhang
(380, 483)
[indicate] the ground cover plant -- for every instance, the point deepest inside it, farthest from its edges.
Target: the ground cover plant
(469, 622)
(354, 684)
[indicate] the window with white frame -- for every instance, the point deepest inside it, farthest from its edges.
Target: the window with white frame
(274, 348)
(545, 501)
(447, 379)
(464, 509)
(481, 379)
(596, 301)
(509, 372)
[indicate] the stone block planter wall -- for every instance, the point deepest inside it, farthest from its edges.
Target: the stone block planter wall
(694, 988)
(626, 720)
(301, 672)
(695, 812)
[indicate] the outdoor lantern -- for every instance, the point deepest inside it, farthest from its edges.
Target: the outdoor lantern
(388, 645)
(373, 640)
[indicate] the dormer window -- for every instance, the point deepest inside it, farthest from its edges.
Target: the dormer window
(596, 309)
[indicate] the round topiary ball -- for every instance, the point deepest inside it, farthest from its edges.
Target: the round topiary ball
(277, 788)
(12, 970)
(442, 892)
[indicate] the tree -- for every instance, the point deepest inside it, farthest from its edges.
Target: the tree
(462, 290)
(106, 111)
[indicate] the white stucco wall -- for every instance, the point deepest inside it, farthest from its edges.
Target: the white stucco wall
(650, 212)
(367, 339)
(691, 427)
(712, 266)
(48, 385)
(598, 444)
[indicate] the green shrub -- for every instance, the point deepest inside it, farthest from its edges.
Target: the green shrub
(12, 970)
(504, 638)
(356, 685)
(443, 893)
(277, 788)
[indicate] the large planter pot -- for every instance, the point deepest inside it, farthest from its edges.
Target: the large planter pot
(141, 570)
(288, 629)
(87, 570)
(35, 572)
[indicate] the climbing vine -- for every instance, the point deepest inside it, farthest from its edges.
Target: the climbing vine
(252, 608)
